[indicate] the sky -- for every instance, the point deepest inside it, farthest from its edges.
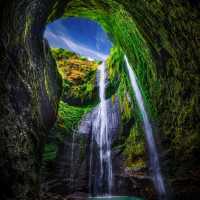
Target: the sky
(80, 35)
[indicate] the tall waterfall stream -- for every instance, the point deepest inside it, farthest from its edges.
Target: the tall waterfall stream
(152, 151)
(100, 162)
(103, 139)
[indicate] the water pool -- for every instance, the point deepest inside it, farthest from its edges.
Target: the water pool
(114, 198)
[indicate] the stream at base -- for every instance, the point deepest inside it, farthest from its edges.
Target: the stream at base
(115, 198)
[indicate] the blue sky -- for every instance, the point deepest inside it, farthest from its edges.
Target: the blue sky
(80, 35)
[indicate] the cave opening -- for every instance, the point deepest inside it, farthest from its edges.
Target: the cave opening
(80, 46)
(160, 39)
(126, 39)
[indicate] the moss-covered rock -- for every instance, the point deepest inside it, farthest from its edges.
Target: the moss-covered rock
(130, 141)
(30, 91)
(67, 122)
(160, 39)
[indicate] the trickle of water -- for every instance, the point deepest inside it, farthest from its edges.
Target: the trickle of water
(72, 159)
(152, 151)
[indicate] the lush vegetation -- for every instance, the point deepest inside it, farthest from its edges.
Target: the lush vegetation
(79, 77)
(160, 39)
(129, 41)
(67, 122)
(78, 97)
(156, 46)
(134, 148)
(62, 54)
(131, 139)
(167, 74)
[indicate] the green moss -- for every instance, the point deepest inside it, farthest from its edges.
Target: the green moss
(131, 138)
(127, 39)
(169, 81)
(135, 148)
(115, 62)
(124, 33)
(78, 79)
(27, 27)
(67, 122)
(52, 81)
(50, 152)
(116, 68)
(68, 119)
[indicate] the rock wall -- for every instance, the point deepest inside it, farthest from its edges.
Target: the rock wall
(29, 94)
(69, 173)
(170, 30)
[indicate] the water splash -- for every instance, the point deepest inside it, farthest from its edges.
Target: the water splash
(153, 155)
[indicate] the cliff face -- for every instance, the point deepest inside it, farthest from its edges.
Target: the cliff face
(160, 39)
(29, 95)
(66, 151)
(69, 143)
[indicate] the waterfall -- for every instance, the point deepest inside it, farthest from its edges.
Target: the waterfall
(103, 138)
(72, 159)
(153, 155)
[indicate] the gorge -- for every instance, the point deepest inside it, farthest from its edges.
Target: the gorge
(146, 146)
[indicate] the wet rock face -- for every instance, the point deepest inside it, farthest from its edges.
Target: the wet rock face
(69, 173)
(125, 181)
(27, 110)
(132, 182)
(87, 123)
(71, 170)
(98, 186)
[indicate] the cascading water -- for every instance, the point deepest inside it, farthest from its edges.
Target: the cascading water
(101, 135)
(153, 155)
(72, 159)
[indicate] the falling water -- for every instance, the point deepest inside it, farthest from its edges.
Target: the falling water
(72, 159)
(102, 136)
(153, 155)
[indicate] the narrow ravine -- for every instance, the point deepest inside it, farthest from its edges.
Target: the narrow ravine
(152, 151)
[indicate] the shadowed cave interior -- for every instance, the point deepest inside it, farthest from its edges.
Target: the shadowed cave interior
(51, 97)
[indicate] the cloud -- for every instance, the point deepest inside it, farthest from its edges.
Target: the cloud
(59, 40)
(82, 49)
(54, 40)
